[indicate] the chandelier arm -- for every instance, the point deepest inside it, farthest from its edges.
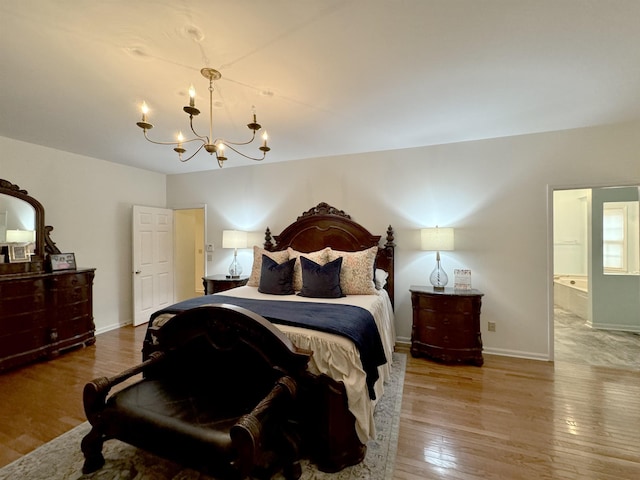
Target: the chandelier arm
(192, 155)
(174, 143)
(227, 142)
(204, 138)
(264, 154)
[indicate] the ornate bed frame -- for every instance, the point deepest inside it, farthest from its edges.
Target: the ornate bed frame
(333, 443)
(326, 226)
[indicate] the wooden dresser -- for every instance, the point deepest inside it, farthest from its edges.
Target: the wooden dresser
(446, 325)
(44, 314)
(43, 310)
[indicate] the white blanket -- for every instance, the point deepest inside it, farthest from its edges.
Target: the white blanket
(337, 356)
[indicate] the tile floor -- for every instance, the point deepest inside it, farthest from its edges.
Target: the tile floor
(576, 342)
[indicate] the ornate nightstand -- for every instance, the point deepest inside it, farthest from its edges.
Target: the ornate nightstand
(446, 325)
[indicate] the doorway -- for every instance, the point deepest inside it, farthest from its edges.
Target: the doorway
(596, 317)
(189, 246)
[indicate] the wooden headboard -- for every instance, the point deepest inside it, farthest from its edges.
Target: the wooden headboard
(326, 226)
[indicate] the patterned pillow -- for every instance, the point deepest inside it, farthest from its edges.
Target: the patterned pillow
(320, 257)
(256, 270)
(356, 276)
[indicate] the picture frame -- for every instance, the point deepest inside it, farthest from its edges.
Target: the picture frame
(62, 261)
(19, 253)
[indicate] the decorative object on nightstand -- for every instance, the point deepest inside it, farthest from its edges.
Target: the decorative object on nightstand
(219, 283)
(446, 325)
(437, 240)
(462, 279)
(234, 239)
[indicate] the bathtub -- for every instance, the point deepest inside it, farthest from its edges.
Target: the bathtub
(571, 293)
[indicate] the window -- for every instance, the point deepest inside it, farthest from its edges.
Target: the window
(614, 238)
(621, 238)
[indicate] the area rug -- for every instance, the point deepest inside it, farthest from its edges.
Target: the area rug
(61, 458)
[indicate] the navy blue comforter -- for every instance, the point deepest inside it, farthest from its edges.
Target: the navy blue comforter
(354, 323)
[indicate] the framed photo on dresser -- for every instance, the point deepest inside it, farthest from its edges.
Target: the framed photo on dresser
(62, 261)
(18, 253)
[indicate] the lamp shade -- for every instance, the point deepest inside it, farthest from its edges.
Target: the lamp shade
(437, 239)
(21, 236)
(234, 239)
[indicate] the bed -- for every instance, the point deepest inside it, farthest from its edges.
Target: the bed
(348, 369)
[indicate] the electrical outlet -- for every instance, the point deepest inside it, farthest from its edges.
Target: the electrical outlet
(491, 326)
(209, 247)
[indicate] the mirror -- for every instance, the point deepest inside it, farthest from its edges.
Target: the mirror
(15, 216)
(22, 221)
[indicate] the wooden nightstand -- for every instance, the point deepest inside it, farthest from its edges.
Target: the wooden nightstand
(220, 283)
(446, 325)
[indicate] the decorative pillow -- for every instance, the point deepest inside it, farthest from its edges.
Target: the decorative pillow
(256, 269)
(380, 278)
(320, 257)
(320, 281)
(276, 278)
(356, 276)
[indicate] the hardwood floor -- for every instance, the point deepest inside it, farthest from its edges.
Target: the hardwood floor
(509, 419)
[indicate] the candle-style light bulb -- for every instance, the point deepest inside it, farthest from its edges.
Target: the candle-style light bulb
(265, 137)
(145, 111)
(180, 139)
(221, 148)
(192, 96)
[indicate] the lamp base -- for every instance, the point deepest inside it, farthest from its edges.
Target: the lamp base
(232, 276)
(438, 277)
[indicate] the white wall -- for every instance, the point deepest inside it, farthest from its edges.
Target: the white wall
(494, 192)
(88, 202)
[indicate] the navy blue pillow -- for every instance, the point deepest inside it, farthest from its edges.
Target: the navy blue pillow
(275, 278)
(321, 281)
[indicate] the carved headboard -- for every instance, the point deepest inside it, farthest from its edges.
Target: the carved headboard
(326, 226)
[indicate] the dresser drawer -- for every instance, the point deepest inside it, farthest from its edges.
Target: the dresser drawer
(70, 280)
(445, 303)
(70, 295)
(21, 288)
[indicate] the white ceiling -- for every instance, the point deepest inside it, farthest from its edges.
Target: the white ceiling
(327, 77)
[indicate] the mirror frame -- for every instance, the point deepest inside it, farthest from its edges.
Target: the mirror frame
(43, 244)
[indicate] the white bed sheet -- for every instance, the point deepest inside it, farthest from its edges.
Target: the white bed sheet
(337, 356)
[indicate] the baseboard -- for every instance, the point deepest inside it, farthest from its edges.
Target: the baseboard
(617, 328)
(113, 326)
(405, 341)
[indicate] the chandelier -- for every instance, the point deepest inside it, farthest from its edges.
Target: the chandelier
(211, 145)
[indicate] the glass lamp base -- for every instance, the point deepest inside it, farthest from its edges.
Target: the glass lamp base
(438, 278)
(235, 269)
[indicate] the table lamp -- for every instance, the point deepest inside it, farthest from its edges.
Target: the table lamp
(234, 239)
(437, 240)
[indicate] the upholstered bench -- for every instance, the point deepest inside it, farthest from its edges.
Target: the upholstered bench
(218, 394)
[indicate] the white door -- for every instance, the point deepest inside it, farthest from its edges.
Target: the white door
(152, 261)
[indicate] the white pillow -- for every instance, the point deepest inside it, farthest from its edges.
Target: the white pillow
(380, 278)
